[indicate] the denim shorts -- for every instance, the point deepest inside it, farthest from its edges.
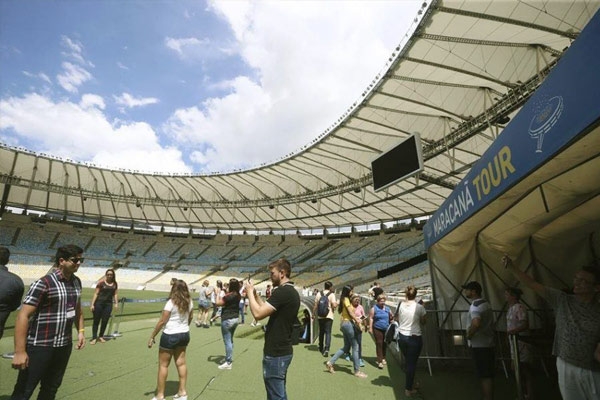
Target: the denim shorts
(172, 341)
(205, 304)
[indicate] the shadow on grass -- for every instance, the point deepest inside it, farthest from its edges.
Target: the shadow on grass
(171, 389)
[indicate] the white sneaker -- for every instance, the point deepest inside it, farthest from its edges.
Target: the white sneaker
(225, 365)
(253, 324)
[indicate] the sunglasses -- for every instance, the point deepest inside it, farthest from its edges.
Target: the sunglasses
(76, 260)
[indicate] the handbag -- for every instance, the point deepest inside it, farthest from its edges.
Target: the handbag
(391, 333)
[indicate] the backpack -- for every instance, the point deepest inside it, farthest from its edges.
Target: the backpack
(323, 306)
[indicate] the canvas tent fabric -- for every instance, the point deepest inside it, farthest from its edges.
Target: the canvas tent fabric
(462, 71)
(545, 213)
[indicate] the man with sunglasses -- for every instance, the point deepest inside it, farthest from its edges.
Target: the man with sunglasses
(44, 327)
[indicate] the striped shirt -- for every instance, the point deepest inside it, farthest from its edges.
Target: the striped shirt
(57, 301)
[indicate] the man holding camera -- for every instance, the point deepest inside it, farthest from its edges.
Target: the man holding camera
(282, 309)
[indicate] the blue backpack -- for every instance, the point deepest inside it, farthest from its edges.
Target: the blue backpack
(323, 306)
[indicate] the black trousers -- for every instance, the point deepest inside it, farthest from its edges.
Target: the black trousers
(325, 325)
(47, 365)
(101, 313)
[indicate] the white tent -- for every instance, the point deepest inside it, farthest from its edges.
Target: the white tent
(533, 195)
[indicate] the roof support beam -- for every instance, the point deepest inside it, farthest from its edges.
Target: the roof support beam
(511, 21)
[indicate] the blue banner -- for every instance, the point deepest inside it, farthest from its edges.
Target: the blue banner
(566, 103)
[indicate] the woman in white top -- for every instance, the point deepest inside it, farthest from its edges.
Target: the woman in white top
(410, 317)
(176, 317)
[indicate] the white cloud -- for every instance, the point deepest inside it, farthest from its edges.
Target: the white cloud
(127, 100)
(41, 76)
(185, 45)
(72, 77)
(122, 66)
(74, 50)
(64, 128)
(313, 60)
(92, 101)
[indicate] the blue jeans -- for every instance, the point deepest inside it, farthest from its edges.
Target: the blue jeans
(227, 330)
(411, 349)
(350, 342)
(274, 375)
(242, 306)
(46, 365)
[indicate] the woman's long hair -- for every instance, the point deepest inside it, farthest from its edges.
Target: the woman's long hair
(234, 287)
(114, 276)
(345, 293)
(180, 295)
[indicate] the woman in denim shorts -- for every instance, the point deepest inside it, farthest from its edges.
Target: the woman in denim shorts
(176, 317)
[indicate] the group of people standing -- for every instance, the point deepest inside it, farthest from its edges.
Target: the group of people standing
(52, 308)
(409, 315)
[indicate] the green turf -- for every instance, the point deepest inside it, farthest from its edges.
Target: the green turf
(125, 368)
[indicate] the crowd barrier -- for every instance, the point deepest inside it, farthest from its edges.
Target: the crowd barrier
(117, 316)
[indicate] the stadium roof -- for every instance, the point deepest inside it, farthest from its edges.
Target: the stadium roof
(457, 81)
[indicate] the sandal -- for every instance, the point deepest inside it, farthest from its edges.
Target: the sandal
(330, 367)
(380, 365)
(101, 340)
(93, 342)
(360, 374)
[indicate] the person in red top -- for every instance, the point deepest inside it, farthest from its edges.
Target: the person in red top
(44, 325)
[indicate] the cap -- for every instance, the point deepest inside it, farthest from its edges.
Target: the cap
(473, 285)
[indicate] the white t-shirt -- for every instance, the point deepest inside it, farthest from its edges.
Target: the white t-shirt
(177, 323)
(409, 318)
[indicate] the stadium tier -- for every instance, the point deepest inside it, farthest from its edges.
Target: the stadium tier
(149, 261)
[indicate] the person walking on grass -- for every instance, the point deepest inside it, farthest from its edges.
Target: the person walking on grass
(175, 318)
(282, 309)
(325, 320)
(204, 304)
(229, 304)
(411, 318)
(350, 327)
(380, 317)
(102, 304)
(44, 327)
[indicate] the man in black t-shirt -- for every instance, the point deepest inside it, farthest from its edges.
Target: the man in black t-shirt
(282, 308)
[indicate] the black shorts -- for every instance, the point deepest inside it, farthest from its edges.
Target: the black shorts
(171, 342)
(484, 361)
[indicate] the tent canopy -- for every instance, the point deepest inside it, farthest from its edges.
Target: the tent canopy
(542, 207)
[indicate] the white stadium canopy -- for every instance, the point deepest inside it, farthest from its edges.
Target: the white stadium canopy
(465, 72)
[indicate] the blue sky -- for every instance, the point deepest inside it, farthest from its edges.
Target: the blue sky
(186, 86)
